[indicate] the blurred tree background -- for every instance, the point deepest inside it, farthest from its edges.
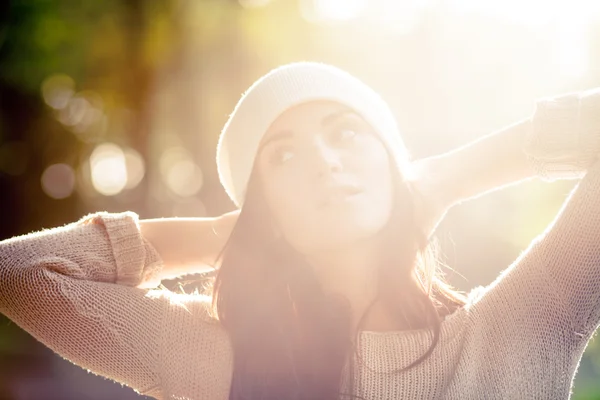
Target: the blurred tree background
(117, 105)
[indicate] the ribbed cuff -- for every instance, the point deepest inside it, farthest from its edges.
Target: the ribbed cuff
(136, 260)
(565, 137)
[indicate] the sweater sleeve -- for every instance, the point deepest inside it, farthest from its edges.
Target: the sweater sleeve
(565, 143)
(77, 289)
(567, 257)
(565, 139)
(555, 283)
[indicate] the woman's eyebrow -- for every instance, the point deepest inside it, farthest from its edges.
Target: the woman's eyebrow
(331, 118)
(277, 136)
(326, 121)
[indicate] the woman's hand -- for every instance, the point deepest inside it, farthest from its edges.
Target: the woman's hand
(223, 225)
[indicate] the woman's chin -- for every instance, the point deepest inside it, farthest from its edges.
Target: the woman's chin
(357, 225)
(339, 230)
(348, 234)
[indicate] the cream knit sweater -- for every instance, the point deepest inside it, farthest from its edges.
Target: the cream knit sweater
(74, 289)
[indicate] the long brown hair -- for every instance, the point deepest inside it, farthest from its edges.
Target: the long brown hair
(290, 339)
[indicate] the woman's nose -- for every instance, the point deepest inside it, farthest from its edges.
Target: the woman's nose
(327, 159)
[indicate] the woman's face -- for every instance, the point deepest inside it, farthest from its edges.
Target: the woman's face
(326, 177)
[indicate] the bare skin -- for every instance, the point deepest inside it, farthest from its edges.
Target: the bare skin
(344, 266)
(327, 181)
(188, 245)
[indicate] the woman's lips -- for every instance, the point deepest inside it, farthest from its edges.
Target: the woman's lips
(339, 193)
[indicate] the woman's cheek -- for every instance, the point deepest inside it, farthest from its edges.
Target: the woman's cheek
(287, 203)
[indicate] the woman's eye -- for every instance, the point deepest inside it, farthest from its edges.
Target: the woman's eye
(281, 155)
(344, 135)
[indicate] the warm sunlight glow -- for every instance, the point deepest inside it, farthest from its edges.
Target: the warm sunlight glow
(529, 12)
(179, 171)
(108, 169)
(254, 3)
(572, 50)
(58, 181)
(401, 17)
(57, 90)
(134, 164)
(332, 10)
(74, 111)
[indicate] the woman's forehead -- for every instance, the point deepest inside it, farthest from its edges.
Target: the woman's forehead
(313, 113)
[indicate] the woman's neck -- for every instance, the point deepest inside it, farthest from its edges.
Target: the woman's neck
(352, 272)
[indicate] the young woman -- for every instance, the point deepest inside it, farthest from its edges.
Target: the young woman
(326, 285)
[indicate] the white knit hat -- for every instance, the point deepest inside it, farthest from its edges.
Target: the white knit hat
(285, 87)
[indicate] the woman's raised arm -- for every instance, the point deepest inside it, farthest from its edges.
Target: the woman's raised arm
(561, 140)
(492, 162)
(77, 290)
(558, 276)
(188, 245)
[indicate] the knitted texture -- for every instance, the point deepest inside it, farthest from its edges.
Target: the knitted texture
(555, 155)
(77, 290)
(281, 89)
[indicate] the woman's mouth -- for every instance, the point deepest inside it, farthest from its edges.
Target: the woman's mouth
(340, 193)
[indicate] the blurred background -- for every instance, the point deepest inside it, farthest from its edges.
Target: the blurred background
(117, 105)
